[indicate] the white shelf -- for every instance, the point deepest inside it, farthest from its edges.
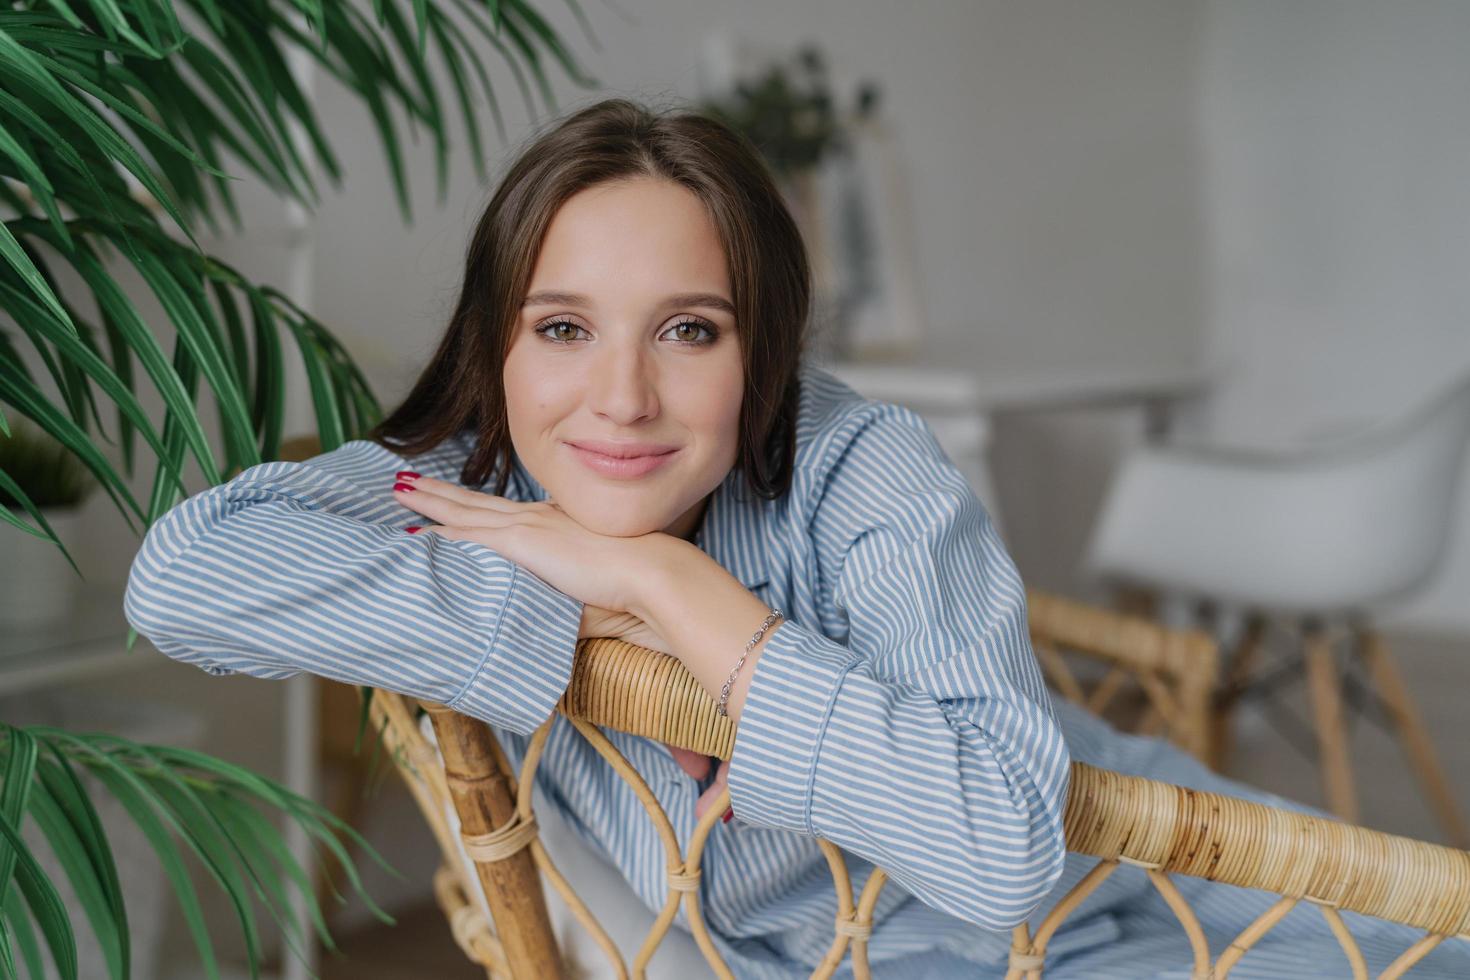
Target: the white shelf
(89, 643)
(994, 389)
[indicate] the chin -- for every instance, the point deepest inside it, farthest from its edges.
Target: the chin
(617, 523)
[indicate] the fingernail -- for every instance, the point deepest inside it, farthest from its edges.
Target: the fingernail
(406, 475)
(414, 528)
(406, 488)
(728, 814)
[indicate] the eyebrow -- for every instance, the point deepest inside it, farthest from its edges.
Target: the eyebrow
(712, 301)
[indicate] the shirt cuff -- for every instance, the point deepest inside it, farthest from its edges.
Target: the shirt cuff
(782, 724)
(528, 662)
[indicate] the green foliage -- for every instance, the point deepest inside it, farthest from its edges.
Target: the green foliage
(185, 803)
(48, 473)
(116, 118)
(788, 112)
(98, 98)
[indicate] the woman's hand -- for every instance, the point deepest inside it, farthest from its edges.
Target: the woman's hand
(583, 564)
(697, 766)
(625, 626)
(597, 621)
(597, 569)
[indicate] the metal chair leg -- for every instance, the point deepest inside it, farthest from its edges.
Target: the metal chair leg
(1413, 736)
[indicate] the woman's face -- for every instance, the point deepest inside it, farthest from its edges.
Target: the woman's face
(627, 335)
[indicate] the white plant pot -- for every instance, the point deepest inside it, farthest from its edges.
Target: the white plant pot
(38, 587)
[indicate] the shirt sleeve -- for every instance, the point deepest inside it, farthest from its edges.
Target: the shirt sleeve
(292, 567)
(926, 743)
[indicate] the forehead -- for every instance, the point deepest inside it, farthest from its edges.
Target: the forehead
(632, 236)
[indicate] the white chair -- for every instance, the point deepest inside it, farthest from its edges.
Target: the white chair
(1319, 539)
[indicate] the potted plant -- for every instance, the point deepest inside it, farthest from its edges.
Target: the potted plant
(116, 117)
(38, 579)
(787, 110)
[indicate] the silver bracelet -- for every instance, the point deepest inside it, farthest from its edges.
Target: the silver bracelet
(725, 691)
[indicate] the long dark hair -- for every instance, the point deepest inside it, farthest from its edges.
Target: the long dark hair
(770, 279)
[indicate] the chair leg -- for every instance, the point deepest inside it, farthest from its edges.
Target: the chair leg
(1137, 601)
(1326, 694)
(1242, 663)
(1413, 736)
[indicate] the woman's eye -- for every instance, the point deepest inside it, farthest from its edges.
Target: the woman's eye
(685, 332)
(548, 330)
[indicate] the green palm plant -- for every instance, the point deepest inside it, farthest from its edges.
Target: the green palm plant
(116, 119)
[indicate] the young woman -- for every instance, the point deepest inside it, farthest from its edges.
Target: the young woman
(618, 436)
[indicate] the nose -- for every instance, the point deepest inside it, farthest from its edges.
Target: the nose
(624, 386)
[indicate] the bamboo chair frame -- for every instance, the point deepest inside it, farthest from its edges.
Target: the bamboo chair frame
(1173, 670)
(1118, 818)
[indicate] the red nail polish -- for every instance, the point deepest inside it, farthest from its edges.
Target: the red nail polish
(407, 488)
(728, 814)
(414, 529)
(406, 475)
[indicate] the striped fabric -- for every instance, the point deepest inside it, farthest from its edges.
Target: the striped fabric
(898, 712)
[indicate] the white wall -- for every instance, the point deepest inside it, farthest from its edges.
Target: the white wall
(1050, 154)
(1048, 145)
(1336, 150)
(1279, 186)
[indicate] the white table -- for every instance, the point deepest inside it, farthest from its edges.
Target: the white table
(961, 405)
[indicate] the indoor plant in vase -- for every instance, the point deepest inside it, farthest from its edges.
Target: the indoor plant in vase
(788, 112)
(119, 123)
(38, 579)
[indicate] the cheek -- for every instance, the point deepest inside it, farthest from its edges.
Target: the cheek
(721, 410)
(530, 392)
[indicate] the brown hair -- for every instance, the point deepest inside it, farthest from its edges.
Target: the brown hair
(770, 279)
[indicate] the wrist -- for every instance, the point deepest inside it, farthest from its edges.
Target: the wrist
(740, 686)
(657, 584)
(727, 690)
(705, 614)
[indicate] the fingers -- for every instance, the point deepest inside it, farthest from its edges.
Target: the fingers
(450, 509)
(426, 487)
(708, 797)
(696, 765)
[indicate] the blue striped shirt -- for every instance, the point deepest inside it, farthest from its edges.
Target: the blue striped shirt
(898, 712)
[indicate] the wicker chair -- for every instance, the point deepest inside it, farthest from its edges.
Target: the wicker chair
(1166, 676)
(1120, 819)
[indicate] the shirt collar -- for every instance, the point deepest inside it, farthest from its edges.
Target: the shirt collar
(732, 531)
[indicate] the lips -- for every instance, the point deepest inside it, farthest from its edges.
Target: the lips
(620, 467)
(623, 450)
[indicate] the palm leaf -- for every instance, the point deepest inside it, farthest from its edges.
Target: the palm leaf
(82, 874)
(20, 766)
(241, 95)
(116, 116)
(45, 904)
(18, 925)
(16, 256)
(143, 813)
(184, 800)
(62, 782)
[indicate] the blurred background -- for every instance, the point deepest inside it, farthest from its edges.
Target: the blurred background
(1068, 232)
